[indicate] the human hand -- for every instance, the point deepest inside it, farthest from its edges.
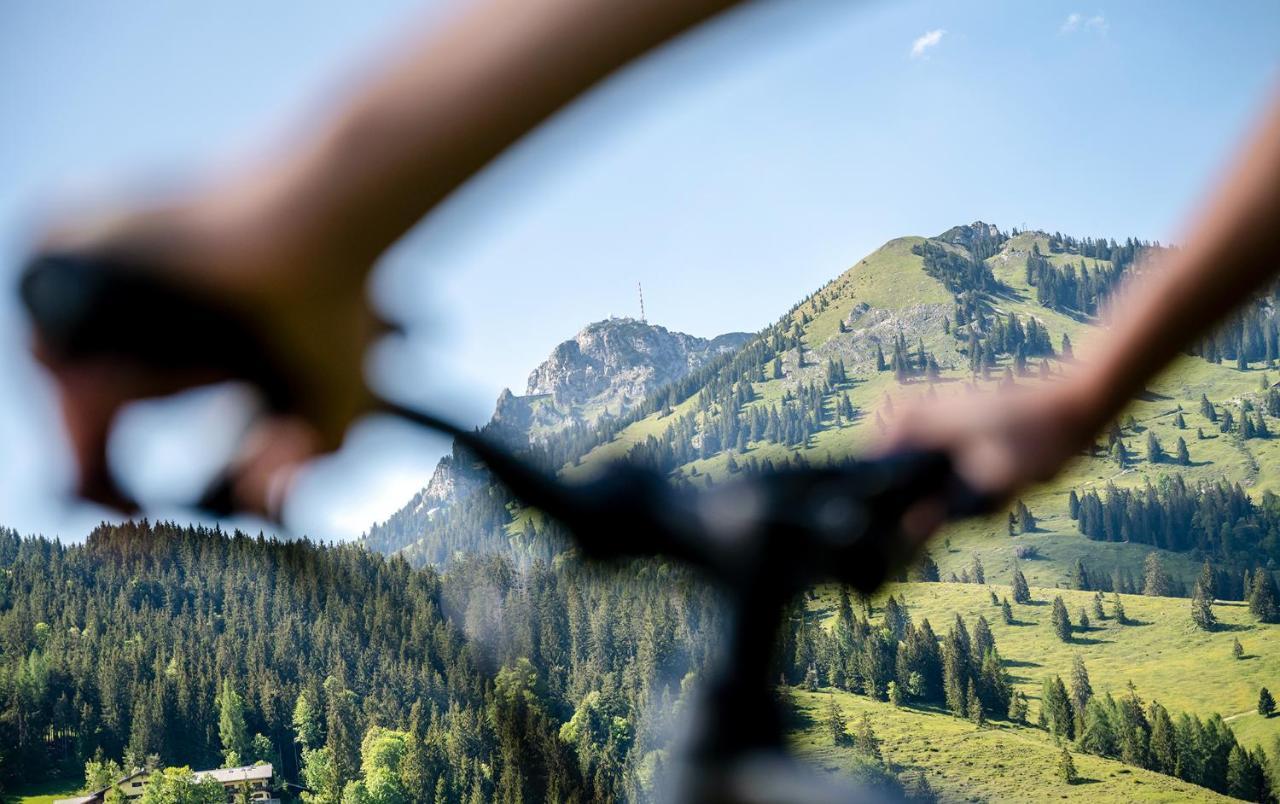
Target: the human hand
(998, 442)
(164, 298)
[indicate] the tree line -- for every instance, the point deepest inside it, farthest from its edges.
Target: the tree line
(1216, 519)
(1202, 752)
(157, 645)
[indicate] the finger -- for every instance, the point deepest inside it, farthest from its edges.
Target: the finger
(90, 395)
(270, 458)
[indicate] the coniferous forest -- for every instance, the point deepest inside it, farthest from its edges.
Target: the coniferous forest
(463, 652)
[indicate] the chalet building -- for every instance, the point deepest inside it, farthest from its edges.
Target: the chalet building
(255, 779)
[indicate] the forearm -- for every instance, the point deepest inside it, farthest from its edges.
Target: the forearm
(445, 105)
(1232, 250)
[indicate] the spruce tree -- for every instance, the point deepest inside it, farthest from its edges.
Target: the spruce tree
(1018, 707)
(895, 694)
(1066, 766)
(1237, 650)
(836, 725)
(1183, 454)
(1266, 703)
(1098, 613)
(1162, 747)
(1006, 611)
(1264, 601)
(1155, 452)
(1245, 778)
(1061, 620)
(975, 712)
(1021, 591)
(1117, 610)
(1155, 581)
(1081, 692)
(1055, 708)
(1207, 410)
(865, 740)
(231, 725)
(1202, 609)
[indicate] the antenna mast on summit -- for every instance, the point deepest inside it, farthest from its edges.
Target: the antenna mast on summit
(640, 290)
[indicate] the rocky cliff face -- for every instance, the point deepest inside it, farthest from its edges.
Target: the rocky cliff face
(622, 360)
(608, 367)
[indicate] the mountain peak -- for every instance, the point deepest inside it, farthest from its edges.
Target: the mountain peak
(966, 235)
(624, 359)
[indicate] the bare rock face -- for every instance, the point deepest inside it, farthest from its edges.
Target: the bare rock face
(608, 367)
(621, 360)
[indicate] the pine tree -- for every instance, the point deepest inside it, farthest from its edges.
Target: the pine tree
(1120, 453)
(1162, 746)
(343, 740)
(865, 740)
(1117, 610)
(1055, 708)
(1021, 591)
(1061, 620)
(1264, 601)
(1266, 703)
(1183, 454)
(232, 729)
(1202, 609)
(837, 726)
(1018, 707)
(1155, 452)
(975, 712)
(1155, 581)
(1207, 410)
(415, 766)
(1245, 778)
(1066, 766)
(1081, 692)
(919, 791)
(1080, 576)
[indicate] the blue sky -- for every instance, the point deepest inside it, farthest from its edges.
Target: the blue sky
(732, 173)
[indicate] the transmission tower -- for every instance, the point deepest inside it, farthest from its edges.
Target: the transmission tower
(640, 290)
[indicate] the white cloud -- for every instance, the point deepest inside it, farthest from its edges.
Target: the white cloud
(925, 41)
(1076, 21)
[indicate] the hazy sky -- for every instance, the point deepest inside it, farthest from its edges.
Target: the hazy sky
(732, 173)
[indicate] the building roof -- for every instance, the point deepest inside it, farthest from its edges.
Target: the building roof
(244, 773)
(224, 776)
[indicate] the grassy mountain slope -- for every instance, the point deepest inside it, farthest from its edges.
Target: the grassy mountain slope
(888, 295)
(888, 292)
(1165, 656)
(999, 762)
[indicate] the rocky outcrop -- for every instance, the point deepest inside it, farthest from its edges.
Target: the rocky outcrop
(620, 361)
(608, 367)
